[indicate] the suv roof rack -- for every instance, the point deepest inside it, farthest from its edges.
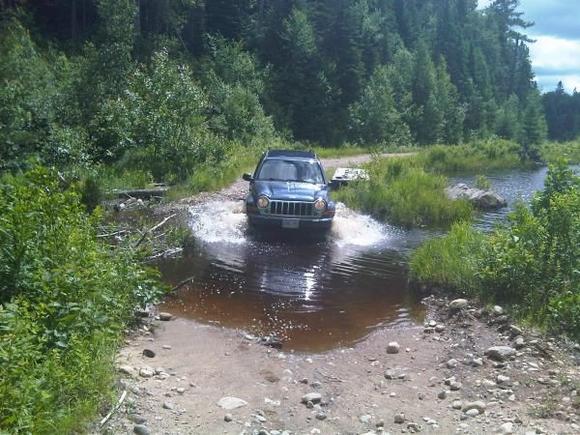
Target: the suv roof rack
(291, 153)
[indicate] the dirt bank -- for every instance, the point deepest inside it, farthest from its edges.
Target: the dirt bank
(439, 373)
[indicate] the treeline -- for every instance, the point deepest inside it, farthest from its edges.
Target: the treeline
(167, 85)
(562, 113)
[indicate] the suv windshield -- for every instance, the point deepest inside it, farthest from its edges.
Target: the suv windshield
(291, 170)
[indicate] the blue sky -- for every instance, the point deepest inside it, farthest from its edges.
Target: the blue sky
(556, 54)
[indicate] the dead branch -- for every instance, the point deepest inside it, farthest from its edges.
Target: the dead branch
(152, 229)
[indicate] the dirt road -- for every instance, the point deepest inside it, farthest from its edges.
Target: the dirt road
(184, 377)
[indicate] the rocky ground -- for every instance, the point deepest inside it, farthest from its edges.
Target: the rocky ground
(467, 370)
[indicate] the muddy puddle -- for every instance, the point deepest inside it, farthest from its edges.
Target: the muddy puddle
(313, 294)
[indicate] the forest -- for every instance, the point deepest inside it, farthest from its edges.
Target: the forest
(185, 81)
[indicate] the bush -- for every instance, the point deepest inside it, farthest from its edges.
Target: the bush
(400, 191)
(65, 299)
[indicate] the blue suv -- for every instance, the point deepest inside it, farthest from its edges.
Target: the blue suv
(289, 190)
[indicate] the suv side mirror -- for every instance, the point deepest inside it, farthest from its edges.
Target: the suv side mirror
(247, 177)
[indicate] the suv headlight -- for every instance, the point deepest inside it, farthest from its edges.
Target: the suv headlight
(320, 205)
(263, 202)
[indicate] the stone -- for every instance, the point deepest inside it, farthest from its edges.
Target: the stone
(519, 342)
(148, 353)
(515, 330)
(390, 375)
(228, 418)
(458, 304)
(501, 379)
(168, 405)
(167, 346)
(413, 427)
(229, 403)
(137, 419)
(500, 353)
(506, 428)
(365, 418)
(442, 395)
(455, 386)
(497, 310)
(165, 317)
(457, 404)
(472, 413)
(141, 429)
(476, 362)
(180, 390)
(439, 328)
(312, 397)
(146, 372)
(478, 405)
(399, 418)
(127, 370)
(452, 363)
(393, 347)
(321, 416)
(483, 199)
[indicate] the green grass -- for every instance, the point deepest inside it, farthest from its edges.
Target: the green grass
(403, 193)
(451, 260)
(553, 151)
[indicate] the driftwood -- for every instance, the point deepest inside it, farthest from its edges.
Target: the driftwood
(153, 228)
(141, 193)
(182, 283)
(115, 408)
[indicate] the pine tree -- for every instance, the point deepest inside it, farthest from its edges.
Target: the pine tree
(534, 129)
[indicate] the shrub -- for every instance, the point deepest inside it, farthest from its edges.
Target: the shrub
(64, 301)
(400, 191)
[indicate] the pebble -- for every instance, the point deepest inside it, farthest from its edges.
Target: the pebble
(321, 416)
(393, 347)
(478, 405)
(472, 413)
(497, 310)
(148, 353)
(180, 390)
(458, 304)
(455, 386)
(165, 317)
(146, 372)
(452, 363)
(137, 419)
(500, 353)
(127, 370)
(390, 375)
(506, 428)
(312, 397)
(230, 403)
(501, 379)
(168, 405)
(365, 418)
(519, 342)
(439, 328)
(141, 429)
(167, 346)
(442, 394)
(228, 418)
(399, 418)
(457, 404)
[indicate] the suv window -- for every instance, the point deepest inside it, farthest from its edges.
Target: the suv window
(291, 170)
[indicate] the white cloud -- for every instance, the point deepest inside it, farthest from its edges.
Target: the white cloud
(556, 59)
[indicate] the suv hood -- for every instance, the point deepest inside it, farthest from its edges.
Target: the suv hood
(290, 190)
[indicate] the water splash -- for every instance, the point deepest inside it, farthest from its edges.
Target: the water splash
(352, 228)
(219, 222)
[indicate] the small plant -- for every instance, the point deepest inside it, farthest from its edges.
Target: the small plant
(482, 182)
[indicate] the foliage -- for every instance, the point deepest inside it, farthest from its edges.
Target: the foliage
(532, 263)
(553, 151)
(402, 192)
(562, 113)
(481, 182)
(64, 301)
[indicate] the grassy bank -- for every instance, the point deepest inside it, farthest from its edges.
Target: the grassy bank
(552, 151)
(65, 300)
(531, 263)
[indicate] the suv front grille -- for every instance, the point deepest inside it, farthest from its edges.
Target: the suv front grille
(291, 208)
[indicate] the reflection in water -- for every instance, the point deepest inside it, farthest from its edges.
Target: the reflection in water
(314, 294)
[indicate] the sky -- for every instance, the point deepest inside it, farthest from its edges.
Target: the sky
(556, 54)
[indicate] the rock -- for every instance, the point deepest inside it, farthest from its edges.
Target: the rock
(146, 372)
(148, 353)
(414, 427)
(127, 370)
(519, 343)
(506, 428)
(321, 416)
(393, 347)
(180, 390)
(167, 346)
(455, 386)
(228, 418)
(457, 404)
(473, 413)
(439, 328)
(390, 375)
(365, 418)
(479, 405)
(165, 317)
(312, 397)
(168, 405)
(476, 362)
(452, 363)
(399, 418)
(501, 379)
(230, 403)
(497, 310)
(500, 353)
(442, 395)
(483, 199)
(515, 330)
(458, 304)
(137, 419)
(141, 429)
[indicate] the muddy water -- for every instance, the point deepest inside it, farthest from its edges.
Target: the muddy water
(314, 294)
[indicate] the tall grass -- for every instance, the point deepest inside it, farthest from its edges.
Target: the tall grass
(553, 151)
(402, 192)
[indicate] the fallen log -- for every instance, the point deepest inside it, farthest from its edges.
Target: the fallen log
(141, 193)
